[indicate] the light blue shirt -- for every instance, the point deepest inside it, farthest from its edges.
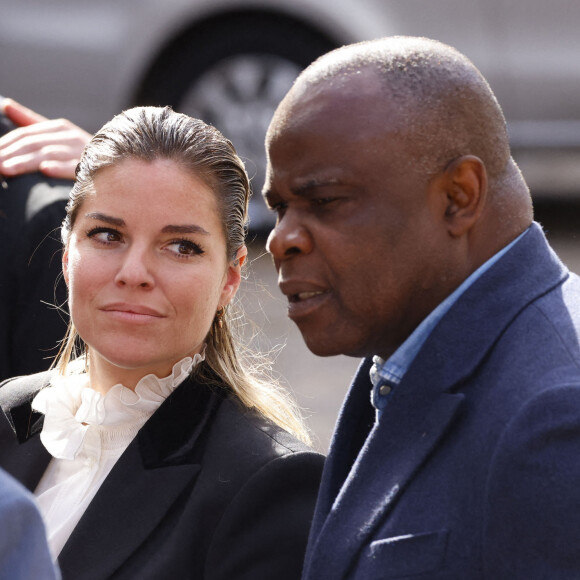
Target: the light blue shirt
(386, 375)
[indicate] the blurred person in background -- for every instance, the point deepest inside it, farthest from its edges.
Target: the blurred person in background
(24, 552)
(157, 452)
(32, 208)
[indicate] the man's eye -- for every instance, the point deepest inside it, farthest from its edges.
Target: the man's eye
(323, 200)
(280, 206)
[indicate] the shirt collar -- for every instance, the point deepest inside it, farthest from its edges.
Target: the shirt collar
(392, 370)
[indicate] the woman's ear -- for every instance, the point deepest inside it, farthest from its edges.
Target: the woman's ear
(465, 184)
(241, 256)
(233, 277)
(65, 265)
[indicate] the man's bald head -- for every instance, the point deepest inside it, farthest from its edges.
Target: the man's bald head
(445, 107)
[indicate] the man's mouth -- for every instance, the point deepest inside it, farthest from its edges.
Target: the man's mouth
(301, 296)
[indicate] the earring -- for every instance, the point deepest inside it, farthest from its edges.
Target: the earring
(219, 316)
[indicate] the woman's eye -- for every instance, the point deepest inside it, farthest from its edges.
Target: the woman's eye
(185, 248)
(104, 235)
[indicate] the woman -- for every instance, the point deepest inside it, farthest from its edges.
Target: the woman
(155, 453)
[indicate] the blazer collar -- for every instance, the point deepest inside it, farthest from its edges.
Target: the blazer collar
(475, 323)
(357, 491)
(172, 434)
(15, 400)
(22, 454)
(166, 437)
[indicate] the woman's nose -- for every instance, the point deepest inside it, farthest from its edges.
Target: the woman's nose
(135, 269)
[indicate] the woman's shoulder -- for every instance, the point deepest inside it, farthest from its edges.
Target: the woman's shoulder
(252, 439)
(18, 390)
(249, 458)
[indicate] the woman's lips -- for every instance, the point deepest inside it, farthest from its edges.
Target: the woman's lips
(132, 312)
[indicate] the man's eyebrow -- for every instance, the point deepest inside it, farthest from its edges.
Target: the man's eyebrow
(106, 218)
(306, 187)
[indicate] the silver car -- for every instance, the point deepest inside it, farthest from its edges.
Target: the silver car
(231, 61)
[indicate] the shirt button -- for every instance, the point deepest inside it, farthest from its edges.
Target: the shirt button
(385, 390)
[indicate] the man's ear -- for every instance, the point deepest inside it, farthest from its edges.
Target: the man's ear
(465, 184)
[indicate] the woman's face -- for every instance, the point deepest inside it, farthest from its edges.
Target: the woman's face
(146, 268)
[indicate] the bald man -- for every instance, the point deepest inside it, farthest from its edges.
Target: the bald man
(404, 235)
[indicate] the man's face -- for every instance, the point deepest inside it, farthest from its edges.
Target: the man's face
(360, 243)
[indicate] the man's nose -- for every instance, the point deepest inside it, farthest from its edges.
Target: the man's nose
(135, 269)
(290, 237)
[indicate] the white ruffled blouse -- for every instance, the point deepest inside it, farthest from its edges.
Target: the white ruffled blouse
(86, 432)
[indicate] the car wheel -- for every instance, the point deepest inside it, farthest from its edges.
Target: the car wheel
(232, 73)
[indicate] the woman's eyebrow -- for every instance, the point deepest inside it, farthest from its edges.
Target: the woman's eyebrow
(169, 229)
(106, 218)
(185, 229)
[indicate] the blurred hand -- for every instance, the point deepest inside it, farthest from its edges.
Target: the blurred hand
(53, 147)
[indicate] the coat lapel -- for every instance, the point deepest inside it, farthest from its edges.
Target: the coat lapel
(125, 511)
(159, 464)
(397, 445)
(361, 484)
(22, 453)
(354, 423)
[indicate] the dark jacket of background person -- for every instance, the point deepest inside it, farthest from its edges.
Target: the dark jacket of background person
(31, 212)
(23, 549)
(472, 470)
(206, 490)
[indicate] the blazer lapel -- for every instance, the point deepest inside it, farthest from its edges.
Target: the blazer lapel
(22, 453)
(397, 445)
(159, 464)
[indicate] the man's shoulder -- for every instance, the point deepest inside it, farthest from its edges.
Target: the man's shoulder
(559, 308)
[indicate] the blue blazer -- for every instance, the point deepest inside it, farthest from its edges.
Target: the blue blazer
(23, 548)
(473, 470)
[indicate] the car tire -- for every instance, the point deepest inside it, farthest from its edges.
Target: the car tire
(232, 72)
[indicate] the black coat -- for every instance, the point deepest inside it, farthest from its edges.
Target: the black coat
(206, 490)
(32, 208)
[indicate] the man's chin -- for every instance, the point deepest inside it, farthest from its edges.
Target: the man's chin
(327, 345)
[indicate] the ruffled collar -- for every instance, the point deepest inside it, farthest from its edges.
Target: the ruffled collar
(75, 413)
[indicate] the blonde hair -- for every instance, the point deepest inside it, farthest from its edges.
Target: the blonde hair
(149, 133)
